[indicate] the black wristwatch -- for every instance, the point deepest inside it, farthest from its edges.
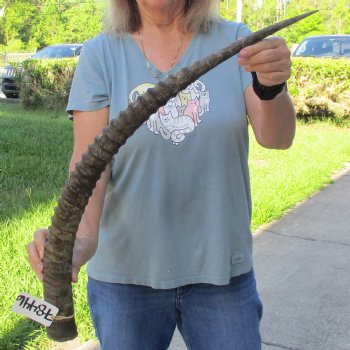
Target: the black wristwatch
(266, 92)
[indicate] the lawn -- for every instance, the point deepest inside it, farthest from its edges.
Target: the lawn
(34, 153)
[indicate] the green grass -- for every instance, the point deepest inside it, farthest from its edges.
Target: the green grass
(280, 179)
(34, 153)
(35, 148)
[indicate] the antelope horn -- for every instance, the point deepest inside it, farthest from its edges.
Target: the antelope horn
(82, 181)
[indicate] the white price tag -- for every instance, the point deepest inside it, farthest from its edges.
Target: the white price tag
(35, 308)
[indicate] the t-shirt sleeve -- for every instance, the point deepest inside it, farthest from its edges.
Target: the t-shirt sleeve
(246, 77)
(89, 89)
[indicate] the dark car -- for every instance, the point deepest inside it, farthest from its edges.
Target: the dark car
(8, 84)
(333, 46)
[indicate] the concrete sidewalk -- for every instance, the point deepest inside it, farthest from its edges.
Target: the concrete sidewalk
(302, 265)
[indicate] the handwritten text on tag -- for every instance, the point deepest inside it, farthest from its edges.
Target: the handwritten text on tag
(35, 308)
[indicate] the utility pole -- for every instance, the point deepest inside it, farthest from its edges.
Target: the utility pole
(2, 10)
(239, 11)
(280, 9)
(2, 13)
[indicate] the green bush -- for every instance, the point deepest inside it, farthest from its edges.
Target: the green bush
(45, 83)
(320, 87)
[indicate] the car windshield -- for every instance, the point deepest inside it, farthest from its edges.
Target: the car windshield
(57, 52)
(324, 47)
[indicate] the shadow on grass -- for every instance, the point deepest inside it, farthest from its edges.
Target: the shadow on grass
(324, 117)
(20, 335)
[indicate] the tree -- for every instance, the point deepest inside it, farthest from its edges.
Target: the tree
(87, 24)
(228, 9)
(15, 24)
(30, 24)
(333, 16)
(68, 21)
(339, 17)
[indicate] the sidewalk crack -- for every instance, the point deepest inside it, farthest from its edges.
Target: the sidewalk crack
(307, 238)
(277, 345)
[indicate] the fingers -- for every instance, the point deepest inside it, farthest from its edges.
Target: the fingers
(40, 238)
(84, 249)
(36, 252)
(270, 59)
(266, 44)
(34, 260)
(75, 273)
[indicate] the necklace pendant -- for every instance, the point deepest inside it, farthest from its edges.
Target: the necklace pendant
(148, 64)
(156, 76)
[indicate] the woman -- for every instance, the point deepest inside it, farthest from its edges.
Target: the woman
(167, 230)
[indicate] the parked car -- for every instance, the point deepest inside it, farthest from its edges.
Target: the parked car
(8, 84)
(333, 46)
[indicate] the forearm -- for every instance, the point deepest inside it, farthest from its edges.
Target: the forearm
(88, 125)
(276, 122)
(90, 221)
(87, 234)
(272, 116)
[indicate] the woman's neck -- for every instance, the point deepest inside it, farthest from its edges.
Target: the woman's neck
(164, 18)
(161, 37)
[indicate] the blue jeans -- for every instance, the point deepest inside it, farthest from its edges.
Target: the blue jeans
(209, 317)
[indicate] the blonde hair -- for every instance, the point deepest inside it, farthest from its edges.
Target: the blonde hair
(123, 16)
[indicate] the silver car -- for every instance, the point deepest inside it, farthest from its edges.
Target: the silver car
(8, 83)
(333, 46)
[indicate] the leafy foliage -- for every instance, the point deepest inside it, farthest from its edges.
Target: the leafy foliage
(29, 25)
(333, 16)
(45, 83)
(321, 87)
(33, 24)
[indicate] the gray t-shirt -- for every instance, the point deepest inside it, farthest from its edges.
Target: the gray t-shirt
(177, 208)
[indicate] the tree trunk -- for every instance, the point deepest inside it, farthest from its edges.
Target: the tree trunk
(75, 196)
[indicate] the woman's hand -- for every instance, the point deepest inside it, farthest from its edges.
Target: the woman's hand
(36, 252)
(270, 59)
(273, 121)
(84, 249)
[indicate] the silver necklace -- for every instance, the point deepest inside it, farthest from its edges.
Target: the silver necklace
(148, 64)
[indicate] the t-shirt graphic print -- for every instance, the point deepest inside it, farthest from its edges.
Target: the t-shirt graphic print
(181, 115)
